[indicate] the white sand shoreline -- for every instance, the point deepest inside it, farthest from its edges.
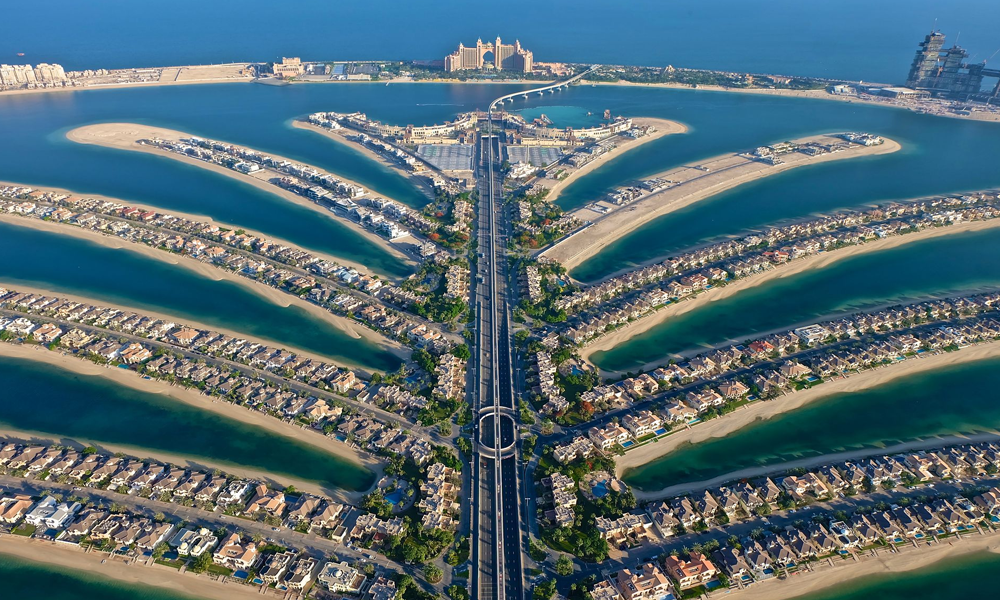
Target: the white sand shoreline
(273, 295)
(762, 410)
(664, 127)
(98, 564)
(194, 398)
(716, 294)
(123, 136)
(616, 225)
(844, 571)
(338, 136)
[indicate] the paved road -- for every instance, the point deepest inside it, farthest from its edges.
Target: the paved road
(498, 534)
(645, 553)
(368, 409)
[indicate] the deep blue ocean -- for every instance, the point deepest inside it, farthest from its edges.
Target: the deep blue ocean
(853, 39)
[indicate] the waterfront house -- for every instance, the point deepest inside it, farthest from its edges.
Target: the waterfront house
(152, 534)
(734, 564)
(757, 559)
(190, 542)
(233, 553)
(300, 573)
(12, 508)
(275, 566)
(270, 501)
(695, 571)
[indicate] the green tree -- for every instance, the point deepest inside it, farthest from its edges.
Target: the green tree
(433, 573)
(564, 565)
(544, 590)
(202, 563)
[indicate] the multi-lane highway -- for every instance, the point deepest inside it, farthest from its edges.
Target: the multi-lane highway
(498, 535)
(497, 545)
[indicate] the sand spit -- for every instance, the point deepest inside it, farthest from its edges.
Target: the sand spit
(97, 563)
(698, 182)
(194, 398)
(758, 411)
(123, 136)
(816, 261)
(273, 295)
(663, 127)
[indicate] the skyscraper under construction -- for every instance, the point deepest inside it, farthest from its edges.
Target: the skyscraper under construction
(942, 71)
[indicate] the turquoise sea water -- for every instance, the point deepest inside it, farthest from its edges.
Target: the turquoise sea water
(938, 156)
(94, 409)
(71, 265)
(28, 579)
(964, 578)
(951, 265)
(956, 399)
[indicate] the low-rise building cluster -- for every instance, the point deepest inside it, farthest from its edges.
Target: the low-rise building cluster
(207, 490)
(761, 251)
(784, 360)
(547, 388)
(450, 377)
(439, 498)
(748, 499)
(300, 273)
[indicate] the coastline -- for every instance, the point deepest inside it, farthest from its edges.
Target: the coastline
(159, 315)
(814, 462)
(98, 564)
(123, 136)
(906, 559)
(183, 460)
(194, 398)
(617, 224)
(763, 410)
(195, 217)
(272, 295)
(716, 294)
(416, 180)
(664, 127)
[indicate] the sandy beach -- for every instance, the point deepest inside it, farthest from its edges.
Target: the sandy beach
(192, 462)
(848, 571)
(340, 136)
(273, 295)
(123, 136)
(696, 182)
(159, 576)
(663, 127)
(194, 217)
(194, 398)
(160, 315)
(758, 411)
(716, 294)
(813, 462)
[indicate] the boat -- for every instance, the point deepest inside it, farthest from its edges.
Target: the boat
(20, 53)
